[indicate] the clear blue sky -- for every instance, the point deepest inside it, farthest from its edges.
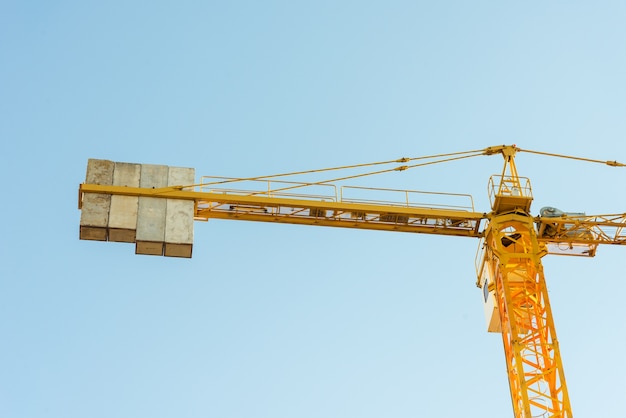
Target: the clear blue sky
(284, 321)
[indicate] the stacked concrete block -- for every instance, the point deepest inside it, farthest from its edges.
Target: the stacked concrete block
(151, 216)
(179, 216)
(94, 217)
(123, 213)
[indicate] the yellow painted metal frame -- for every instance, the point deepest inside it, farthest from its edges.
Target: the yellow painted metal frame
(513, 245)
(513, 256)
(602, 229)
(581, 234)
(262, 208)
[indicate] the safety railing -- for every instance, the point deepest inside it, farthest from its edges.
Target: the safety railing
(268, 188)
(509, 186)
(407, 198)
(329, 193)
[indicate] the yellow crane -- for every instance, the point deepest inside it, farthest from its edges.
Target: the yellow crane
(153, 207)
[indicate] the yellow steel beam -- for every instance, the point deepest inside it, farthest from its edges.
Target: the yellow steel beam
(437, 226)
(567, 230)
(312, 211)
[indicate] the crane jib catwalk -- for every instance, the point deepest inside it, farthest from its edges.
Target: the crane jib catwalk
(155, 206)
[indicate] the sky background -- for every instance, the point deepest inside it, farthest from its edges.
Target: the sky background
(287, 321)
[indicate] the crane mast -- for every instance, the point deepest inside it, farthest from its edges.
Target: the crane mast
(511, 273)
(138, 203)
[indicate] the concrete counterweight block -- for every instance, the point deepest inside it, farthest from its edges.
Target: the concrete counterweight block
(179, 216)
(151, 212)
(94, 216)
(123, 213)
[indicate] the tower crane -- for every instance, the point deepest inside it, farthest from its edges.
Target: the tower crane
(155, 206)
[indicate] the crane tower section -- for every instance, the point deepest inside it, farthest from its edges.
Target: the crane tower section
(513, 280)
(516, 302)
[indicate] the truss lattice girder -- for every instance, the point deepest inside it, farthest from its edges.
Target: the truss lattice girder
(593, 229)
(532, 354)
(313, 211)
(587, 230)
